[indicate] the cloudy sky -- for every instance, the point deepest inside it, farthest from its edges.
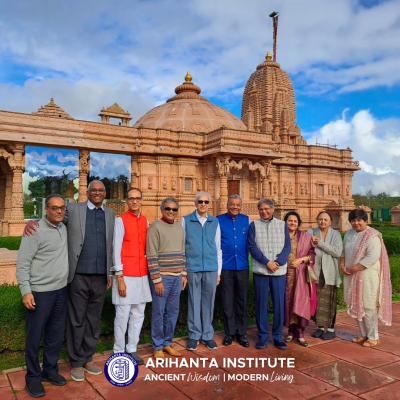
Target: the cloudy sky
(343, 57)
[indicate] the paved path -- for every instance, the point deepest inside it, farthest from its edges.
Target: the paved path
(336, 369)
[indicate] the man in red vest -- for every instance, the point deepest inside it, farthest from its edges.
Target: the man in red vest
(130, 290)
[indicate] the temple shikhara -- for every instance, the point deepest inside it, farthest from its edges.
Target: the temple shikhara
(183, 146)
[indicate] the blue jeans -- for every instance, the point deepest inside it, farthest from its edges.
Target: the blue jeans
(165, 311)
(263, 285)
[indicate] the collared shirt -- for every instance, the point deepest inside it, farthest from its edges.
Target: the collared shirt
(202, 221)
(91, 206)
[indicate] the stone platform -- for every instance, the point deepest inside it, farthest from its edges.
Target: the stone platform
(327, 370)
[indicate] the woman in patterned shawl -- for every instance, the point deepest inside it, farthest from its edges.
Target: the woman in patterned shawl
(300, 295)
(328, 249)
(367, 286)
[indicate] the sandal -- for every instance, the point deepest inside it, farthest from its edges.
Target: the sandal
(359, 339)
(288, 338)
(302, 342)
(370, 343)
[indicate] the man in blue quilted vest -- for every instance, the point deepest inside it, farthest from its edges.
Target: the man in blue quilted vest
(269, 245)
(203, 264)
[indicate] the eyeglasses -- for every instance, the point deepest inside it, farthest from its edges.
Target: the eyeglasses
(171, 209)
(203, 201)
(134, 198)
(55, 208)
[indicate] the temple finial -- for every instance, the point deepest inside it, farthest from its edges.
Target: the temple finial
(188, 77)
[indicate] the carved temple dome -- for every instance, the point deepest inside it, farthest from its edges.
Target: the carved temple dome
(268, 104)
(190, 112)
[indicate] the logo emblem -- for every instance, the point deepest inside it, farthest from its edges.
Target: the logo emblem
(121, 369)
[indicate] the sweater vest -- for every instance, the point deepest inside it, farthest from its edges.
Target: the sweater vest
(133, 253)
(270, 239)
(93, 257)
(201, 251)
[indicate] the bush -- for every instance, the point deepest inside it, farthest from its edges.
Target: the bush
(10, 242)
(392, 243)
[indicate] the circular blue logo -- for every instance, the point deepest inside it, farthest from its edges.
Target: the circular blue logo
(121, 369)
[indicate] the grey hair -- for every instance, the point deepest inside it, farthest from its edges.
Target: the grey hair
(53, 196)
(268, 202)
(233, 197)
(169, 200)
(200, 194)
(94, 181)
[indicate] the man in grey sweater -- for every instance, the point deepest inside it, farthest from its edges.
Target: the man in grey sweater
(42, 273)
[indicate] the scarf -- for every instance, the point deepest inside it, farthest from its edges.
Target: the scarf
(354, 298)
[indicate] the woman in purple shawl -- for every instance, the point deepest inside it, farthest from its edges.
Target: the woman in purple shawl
(300, 296)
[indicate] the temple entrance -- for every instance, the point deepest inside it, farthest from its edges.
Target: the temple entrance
(233, 186)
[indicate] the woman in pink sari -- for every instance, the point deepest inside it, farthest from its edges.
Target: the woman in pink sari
(367, 286)
(300, 296)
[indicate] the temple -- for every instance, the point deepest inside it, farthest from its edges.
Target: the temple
(183, 146)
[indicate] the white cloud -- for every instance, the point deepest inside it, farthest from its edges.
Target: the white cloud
(375, 144)
(145, 47)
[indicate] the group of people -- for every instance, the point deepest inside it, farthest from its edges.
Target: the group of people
(71, 256)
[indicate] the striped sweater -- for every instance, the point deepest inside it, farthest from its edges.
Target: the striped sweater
(165, 250)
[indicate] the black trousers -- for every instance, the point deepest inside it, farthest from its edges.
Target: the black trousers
(86, 295)
(234, 289)
(48, 318)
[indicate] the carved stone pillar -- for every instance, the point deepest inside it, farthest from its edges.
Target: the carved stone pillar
(264, 187)
(84, 169)
(223, 171)
(265, 174)
(17, 197)
(2, 196)
(7, 197)
(17, 165)
(134, 173)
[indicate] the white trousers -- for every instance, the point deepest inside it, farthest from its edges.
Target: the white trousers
(369, 325)
(129, 316)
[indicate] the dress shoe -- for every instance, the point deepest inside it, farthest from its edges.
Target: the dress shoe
(35, 388)
(227, 340)
(242, 340)
(280, 344)
(55, 379)
(172, 352)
